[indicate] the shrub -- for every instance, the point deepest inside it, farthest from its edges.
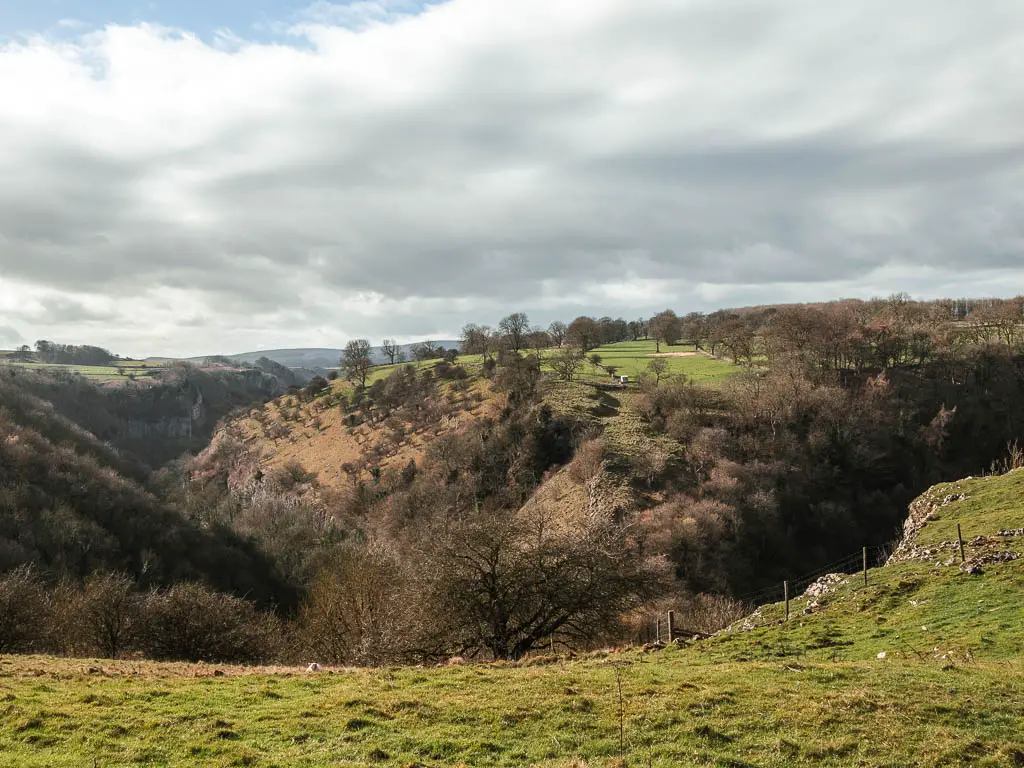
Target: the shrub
(354, 612)
(101, 618)
(191, 622)
(25, 612)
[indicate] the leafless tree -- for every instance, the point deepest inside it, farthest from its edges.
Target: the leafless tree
(392, 351)
(514, 328)
(566, 363)
(665, 328)
(557, 332)
(356, 362)
(584, 332)
(505, 583)
(658, 368)
(104, 614)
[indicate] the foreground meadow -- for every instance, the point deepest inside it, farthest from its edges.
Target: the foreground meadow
(675, 709)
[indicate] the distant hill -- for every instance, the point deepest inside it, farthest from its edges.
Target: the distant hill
(314, 357)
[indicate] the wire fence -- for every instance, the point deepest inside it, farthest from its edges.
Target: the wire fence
(852, 563)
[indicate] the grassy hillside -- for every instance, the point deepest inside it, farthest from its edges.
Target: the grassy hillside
(811, 691)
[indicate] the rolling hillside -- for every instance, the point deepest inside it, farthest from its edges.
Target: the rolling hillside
(316, 357)
(921, 667)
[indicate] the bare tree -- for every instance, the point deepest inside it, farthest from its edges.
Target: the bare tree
(584, 332)
(391, 351)
(538, 339)
(505, 583)
(665, 328)
(658, 368)
(557, 332)
(426, 350)
(354, 613)
(474, 339)
(566, 363)
(515, 327)
(356, 362)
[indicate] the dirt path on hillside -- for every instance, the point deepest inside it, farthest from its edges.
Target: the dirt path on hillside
(672, 354)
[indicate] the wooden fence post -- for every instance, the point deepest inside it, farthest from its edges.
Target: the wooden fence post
(657, 629)
(785, 593)
(960, 538)
(671, 626)
(865, 566)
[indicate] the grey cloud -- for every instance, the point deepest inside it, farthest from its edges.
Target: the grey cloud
(10, 338)
(730, 144)
(63, 310)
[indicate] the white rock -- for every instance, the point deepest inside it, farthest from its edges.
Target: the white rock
(881, 655)
(314, 667)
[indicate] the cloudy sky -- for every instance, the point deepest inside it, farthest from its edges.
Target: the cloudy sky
(219, 175)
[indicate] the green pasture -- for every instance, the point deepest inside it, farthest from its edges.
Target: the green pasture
(119, 371)
(632, 358)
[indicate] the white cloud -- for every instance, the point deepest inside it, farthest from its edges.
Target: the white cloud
(402, 172)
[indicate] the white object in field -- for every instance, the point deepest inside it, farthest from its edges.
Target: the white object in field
(624, 379)
(314, 667)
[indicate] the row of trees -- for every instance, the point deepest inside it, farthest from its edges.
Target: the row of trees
(64, 354)
(357, 359)
(858, 335)
(515, 334)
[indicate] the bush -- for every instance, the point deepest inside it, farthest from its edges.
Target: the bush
(102, 618)
(191, 622)
(354, 612)
(25, 612)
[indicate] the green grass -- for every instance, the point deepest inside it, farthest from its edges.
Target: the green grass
(676, 710)
(808, 691)
(920, 608)
(632, 358)
(100, 373)
(991, 504)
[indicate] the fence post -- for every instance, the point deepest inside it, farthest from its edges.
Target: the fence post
(960, 538)
(785, 593)
(671, 626)
(865, 566)
(657, 629)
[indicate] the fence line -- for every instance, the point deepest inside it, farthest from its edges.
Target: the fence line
(851, 563)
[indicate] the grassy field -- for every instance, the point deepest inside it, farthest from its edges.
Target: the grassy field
(814, 690)
(630, 358)
(676, 710)
(100, 373)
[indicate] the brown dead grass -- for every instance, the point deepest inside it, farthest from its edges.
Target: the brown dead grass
(323, 444)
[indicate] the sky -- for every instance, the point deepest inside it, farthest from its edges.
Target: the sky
(218, 176)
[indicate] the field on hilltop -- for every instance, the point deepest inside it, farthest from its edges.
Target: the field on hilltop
(921, 667)
(122, 370)
(632, 358)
